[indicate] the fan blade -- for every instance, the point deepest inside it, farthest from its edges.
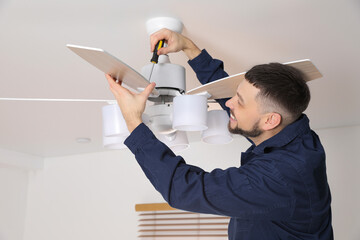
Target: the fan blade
(226, 87)
(56, 100)
(305, 66)
(113, 66)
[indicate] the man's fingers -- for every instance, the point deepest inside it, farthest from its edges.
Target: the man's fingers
(118, 88)
(157, 36)
(163, 50)
(112, 82)
(148, 90)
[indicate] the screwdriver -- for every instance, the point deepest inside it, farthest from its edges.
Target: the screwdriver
(155, 58)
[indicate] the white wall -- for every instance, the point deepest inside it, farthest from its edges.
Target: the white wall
(88, 197)
(13, 191)
(343, 166)
(92, 196)
(14, 171)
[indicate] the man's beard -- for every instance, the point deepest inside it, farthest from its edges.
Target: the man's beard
(254, 132)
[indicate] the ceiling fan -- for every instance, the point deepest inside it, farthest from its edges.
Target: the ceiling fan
(172, 112)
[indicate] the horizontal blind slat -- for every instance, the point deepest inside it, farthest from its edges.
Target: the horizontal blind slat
(167, 213)
(183, 230)
(176, 219)
(153, 207)
(181, 224)
(193, 235)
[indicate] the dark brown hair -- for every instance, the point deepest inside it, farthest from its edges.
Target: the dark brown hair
(282, 89)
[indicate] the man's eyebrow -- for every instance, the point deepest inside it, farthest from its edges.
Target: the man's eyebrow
(240, 97)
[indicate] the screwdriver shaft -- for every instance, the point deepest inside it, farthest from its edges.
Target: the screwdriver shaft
(152, 68)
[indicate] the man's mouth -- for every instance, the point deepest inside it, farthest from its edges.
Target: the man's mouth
(232, 117)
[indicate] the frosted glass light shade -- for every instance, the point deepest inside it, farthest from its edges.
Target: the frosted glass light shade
(177, 141)
(217, 132)
(113, 121)
(190, 113)
(114, 142)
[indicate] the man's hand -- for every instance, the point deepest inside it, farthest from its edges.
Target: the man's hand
(132, 105)
(176, 42)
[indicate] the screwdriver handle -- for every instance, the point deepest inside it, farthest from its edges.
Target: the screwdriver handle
(155, 57)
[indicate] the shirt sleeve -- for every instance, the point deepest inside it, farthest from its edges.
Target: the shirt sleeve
(253, 191)
(208, 70)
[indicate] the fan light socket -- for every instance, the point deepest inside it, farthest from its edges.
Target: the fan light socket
(160, 118)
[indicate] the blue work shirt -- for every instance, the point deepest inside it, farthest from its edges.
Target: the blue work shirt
(279, 192)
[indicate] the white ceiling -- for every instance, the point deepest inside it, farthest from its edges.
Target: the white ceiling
(34, 62)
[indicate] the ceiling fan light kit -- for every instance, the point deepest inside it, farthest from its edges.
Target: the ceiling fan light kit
(173, 112)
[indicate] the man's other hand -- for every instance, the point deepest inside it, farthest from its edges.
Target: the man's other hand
(175, 41)
(132, 104)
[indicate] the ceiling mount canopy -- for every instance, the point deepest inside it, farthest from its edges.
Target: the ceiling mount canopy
(155, 24)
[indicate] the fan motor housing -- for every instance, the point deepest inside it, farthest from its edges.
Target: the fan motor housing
(166, 75)
(169, 77)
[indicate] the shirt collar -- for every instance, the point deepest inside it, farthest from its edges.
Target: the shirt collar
(299, 127)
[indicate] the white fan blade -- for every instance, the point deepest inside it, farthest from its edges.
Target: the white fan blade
(226, 87)
(113, 66)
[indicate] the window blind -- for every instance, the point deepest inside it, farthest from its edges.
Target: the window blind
(160, 221)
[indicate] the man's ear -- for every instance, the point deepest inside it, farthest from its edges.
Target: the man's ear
(271, 121)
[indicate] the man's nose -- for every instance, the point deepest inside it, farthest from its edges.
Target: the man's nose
(228, 103)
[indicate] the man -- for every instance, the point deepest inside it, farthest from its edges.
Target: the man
(281, 190)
